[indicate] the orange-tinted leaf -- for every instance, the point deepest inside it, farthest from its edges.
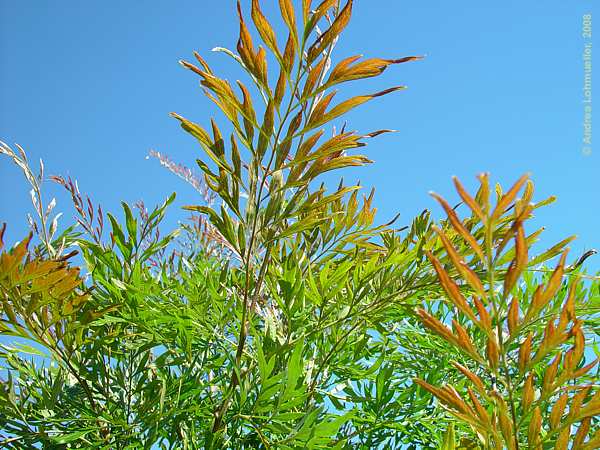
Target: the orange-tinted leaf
(543, 295)
(323, 165)
(264, 28)
(332, 148)
(280, 87)
(535, 428)
(593, 443)
(591, 408)
(225, 99)
(348, 105)
(460, 265)
(506, 426)
(289, 54)
(507, 198)
(483, 194)
(481, 411)
(245, 45)
(313, 77)
(319, 109)
(577, 402)
(584, 370)
(2, 230)
(464, 340)
(484, 316)
(332, 32)
(289, 16)
(448, 396)
(459, 227)
(582, 432)
(469, 201)
(437, 327)
(513, 316)
(550, 375)
(266, 129)
(492, 352)
(519, 264)
(300, 159)
(471, 376)
(260, 62)
(562, 442)
(284, 147)
(219, 145)
(451, 288)
(306, 10)
(528, 393)
(316, 15)
(345, 71)
(249, 115)
(202, 62)
(558, 410)
(525, 353)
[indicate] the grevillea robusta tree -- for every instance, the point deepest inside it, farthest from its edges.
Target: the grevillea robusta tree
(282, 316)
(527, 382)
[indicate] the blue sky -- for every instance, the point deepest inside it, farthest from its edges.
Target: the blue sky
(88, 86)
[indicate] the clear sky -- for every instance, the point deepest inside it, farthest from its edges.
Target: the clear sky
(88, 86)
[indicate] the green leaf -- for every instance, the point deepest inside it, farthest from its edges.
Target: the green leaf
(71, 437)
(449, 439)
(130, 222)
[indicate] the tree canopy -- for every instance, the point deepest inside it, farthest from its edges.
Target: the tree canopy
(282, 315)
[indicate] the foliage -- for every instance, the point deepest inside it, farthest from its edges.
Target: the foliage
(528, 382)
(281, 315)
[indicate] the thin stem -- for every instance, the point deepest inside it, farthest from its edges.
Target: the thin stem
(496, 309)
(247, 263)
(331, 352)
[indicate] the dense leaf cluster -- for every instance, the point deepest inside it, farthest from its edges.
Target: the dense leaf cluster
(281, 316)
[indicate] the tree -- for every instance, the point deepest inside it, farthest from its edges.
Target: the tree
(282, 316)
